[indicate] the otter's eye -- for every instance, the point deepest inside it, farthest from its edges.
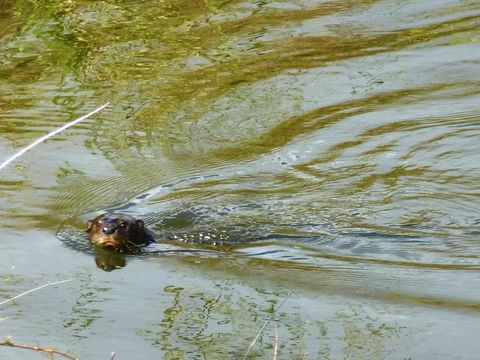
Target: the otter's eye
(122, 225)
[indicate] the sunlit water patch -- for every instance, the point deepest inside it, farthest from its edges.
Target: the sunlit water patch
(331, 147)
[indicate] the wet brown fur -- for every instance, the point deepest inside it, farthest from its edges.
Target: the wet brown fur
(117, 232)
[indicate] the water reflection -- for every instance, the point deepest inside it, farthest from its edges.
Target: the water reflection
(333, 144)
(109, 260)
(299, 123)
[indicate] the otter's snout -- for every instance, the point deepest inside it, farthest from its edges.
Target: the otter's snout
(109, 229)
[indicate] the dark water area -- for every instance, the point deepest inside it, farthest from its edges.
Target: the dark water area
(326, 147)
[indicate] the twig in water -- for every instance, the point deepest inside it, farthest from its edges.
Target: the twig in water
(51, 352)
(37, 288)
(265, 325)
(49, 135)
(275, 349)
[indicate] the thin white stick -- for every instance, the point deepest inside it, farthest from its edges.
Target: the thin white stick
(265, 325)
(37, 288)
(275, 350)
(49, 135)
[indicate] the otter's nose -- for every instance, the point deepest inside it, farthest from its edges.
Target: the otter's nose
(109, 229)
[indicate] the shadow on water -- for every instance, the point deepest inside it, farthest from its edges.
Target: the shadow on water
(326, 146)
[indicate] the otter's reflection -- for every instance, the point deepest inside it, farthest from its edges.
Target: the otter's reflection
(110, 260)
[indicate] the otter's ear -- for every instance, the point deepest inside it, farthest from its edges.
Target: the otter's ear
(89, 225)
(140, 224)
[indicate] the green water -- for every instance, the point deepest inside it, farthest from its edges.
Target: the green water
(333, 147)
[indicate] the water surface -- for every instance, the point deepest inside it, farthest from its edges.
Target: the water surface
(330, 147)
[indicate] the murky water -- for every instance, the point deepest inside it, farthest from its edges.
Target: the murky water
(332, 148)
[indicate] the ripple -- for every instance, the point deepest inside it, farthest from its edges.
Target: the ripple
(296, 134)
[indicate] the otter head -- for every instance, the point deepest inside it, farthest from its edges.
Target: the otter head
(117, 232)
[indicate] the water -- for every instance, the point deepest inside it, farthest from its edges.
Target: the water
(327, 147)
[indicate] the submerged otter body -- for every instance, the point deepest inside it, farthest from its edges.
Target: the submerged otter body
(118, 232)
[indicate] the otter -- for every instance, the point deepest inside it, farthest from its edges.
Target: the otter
(118, 232)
